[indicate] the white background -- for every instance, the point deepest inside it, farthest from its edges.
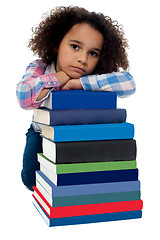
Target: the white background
(141, 21)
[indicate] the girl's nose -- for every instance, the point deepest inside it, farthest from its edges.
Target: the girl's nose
(82, 58)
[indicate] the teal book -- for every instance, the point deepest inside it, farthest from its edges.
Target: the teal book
(89, 132)
(87, 199)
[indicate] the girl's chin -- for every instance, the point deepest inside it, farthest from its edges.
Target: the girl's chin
(75, 75)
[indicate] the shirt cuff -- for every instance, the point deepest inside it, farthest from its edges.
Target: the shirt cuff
(50, 81)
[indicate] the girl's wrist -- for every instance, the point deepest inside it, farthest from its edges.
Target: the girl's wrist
(62, 77)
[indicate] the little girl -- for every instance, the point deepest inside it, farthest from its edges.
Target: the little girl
(78, 49)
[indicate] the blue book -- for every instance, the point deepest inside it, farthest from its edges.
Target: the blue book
(91, 132)
(93, 177)
(74, 190)
(105, 217)
(88, 198)
(80, 99)
(78, 116)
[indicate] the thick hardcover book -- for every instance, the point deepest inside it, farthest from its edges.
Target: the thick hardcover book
(78, 116)
(87, 199)
(90, 151)
(87, 209)
(84, 167)
(93, 177)
(94, 218)
(98, 188)
(80, 99)
(89, 132)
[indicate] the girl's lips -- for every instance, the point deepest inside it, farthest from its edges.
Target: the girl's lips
(78, 69)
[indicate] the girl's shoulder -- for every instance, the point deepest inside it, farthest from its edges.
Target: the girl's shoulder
(38, 63)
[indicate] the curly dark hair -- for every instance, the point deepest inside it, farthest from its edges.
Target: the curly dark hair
(48, 35)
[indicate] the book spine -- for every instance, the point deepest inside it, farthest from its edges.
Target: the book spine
(97, 177)
(80, 99)
(93, 132)
(95, 151)
(86, 116)
(85, 167)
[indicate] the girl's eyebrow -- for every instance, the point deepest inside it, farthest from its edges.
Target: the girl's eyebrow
(76, 41)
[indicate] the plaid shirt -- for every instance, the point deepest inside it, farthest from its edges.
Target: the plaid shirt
(39, 76)
(121, 83)
(36, 78)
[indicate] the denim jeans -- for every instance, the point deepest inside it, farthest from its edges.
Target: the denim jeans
(30, 163)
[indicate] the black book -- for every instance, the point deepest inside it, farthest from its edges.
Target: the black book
(89, 151)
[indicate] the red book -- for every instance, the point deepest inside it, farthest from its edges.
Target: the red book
(88, 209)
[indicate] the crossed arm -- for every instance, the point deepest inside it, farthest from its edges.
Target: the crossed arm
(65, 84)
(36, 86)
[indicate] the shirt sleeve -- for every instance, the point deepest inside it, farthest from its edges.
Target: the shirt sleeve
(32, 84)
(121, 83)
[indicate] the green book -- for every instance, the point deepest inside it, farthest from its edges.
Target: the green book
(45, 163)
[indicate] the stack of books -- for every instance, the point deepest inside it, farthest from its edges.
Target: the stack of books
(88, 169)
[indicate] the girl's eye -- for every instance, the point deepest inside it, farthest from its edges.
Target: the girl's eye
(94, 54)
(75, 47)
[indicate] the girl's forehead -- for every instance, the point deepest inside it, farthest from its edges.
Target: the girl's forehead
(85, 33)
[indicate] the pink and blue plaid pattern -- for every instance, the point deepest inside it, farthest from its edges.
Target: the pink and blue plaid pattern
(33, 82)
(36, 78)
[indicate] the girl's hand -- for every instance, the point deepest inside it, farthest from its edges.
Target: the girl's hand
(72, 84)
(62, 77)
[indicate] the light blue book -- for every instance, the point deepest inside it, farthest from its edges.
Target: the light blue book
(89, 132)
(73, 190)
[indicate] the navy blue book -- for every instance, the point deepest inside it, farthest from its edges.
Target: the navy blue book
(93, 177)
(105, 217)
(89, 151)
(78, 116)
(80, 99)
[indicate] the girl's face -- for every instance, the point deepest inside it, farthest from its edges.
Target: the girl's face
(79, 51)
